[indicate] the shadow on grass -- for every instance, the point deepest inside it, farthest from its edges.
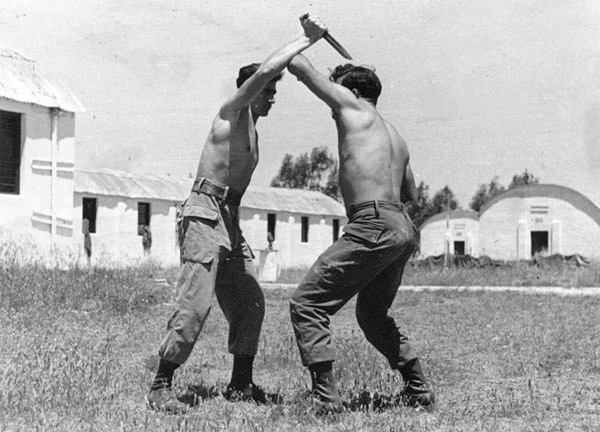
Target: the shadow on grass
(196, 393)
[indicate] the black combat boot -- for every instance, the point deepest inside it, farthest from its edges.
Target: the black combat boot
(325, 396)
(241, 387)
(161, 396)
(416, 392)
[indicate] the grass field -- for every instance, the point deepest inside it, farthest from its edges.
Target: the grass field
(78, 352)
(513, 274)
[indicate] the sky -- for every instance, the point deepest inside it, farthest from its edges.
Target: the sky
(478, 89)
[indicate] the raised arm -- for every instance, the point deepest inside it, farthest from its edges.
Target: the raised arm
(274, 64)
(334, 95)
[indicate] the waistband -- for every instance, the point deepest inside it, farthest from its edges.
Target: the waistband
(221, 192)
(375, 205)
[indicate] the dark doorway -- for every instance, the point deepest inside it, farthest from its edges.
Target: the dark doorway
(539, 242)
(271, 223)
(143, 216)
(90, 209)
(304, 234)
(459, 248)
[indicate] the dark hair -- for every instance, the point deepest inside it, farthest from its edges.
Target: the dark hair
(360, 78)
(249, 70)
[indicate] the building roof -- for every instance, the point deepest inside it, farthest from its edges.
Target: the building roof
(454, 214)
(22, 80)
(576, 199)
(292, 200)
(123, 184)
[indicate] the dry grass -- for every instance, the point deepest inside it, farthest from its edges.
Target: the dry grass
(513, 274)
(77, 350)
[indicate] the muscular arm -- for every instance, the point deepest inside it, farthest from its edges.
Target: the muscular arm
(334, 95)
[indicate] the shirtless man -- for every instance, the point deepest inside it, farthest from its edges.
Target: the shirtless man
(216, 258)
(379, 238)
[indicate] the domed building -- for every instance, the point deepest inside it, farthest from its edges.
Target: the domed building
(457, 230)
(539, 219)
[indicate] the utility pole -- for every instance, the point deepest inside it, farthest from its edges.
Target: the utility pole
(447, 235)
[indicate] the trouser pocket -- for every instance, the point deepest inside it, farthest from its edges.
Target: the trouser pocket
(200, 233)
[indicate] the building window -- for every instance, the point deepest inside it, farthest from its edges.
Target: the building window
(271, 222)
(10, 152)
(336, 229)
(90, 209)
(304, 222)
(143, 216)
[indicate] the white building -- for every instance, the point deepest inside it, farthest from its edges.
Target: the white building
(546, 219)
(302, 223)
(116, 203)
(37, 148)
(456, 231)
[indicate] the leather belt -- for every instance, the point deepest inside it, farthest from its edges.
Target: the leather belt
(375, 205)
(223, 193)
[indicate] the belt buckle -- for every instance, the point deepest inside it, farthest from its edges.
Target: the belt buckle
(198, 185)
(225, 193)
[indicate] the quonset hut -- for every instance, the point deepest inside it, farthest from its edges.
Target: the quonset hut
(457, 231)
(539, 219)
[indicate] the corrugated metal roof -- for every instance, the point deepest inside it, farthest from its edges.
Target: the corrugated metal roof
(454, 214)
(123, 184)
(292, 200)
(22, 80)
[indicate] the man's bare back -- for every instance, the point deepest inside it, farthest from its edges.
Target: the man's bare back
(374, 159)
(366, 155)
(402, 177)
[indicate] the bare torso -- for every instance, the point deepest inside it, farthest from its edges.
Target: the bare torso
(230, 153)
(367, 155)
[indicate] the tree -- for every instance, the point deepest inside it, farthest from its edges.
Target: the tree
(422, 209)
(332, 187)
(443, 199)
(485, 193)
(318, 172)
(526, 178)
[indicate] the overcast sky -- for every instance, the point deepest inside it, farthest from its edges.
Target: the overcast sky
(477, 88)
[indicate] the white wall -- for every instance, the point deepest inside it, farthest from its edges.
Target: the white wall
(570, 230)
(288, 228)
(435, 234)
(30, 212)
(116, 240)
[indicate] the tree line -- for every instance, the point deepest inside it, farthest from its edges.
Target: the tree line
(318, 171)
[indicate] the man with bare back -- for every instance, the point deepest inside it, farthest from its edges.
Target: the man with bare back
(378, 240)
(216, 257)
